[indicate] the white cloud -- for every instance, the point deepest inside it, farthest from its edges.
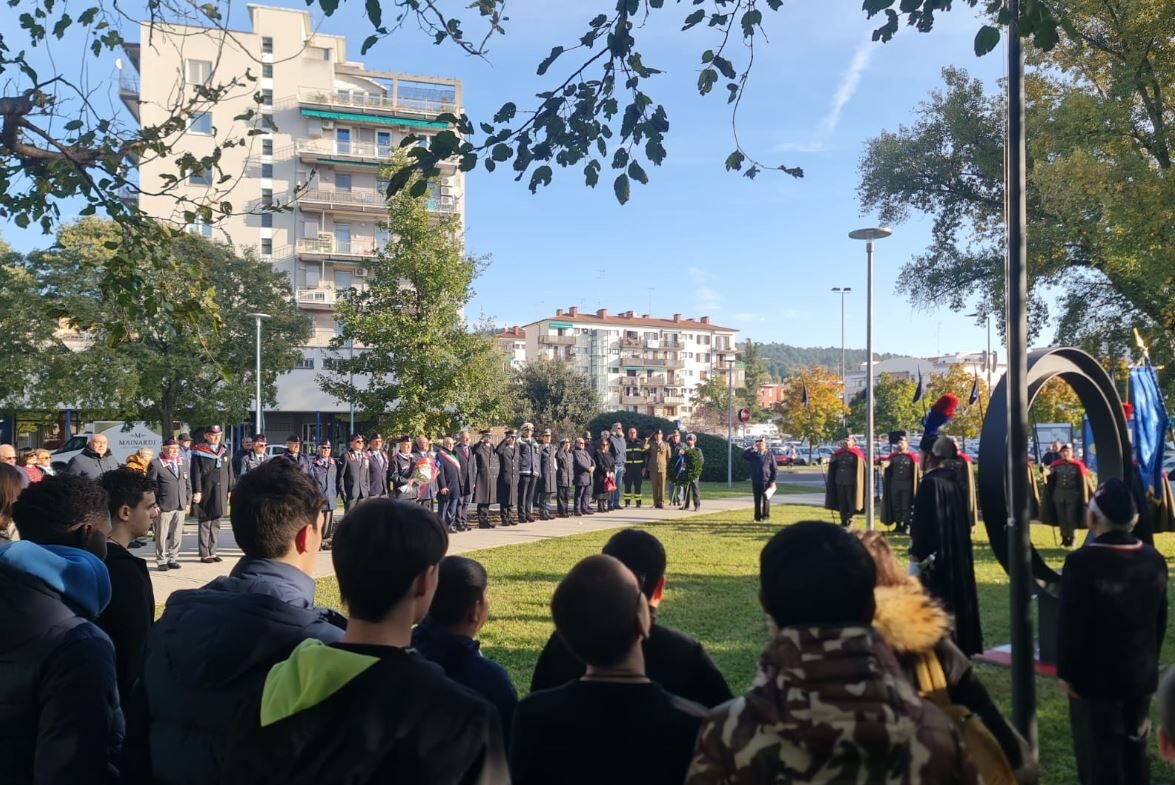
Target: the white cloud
(845, 90)
(706, 297)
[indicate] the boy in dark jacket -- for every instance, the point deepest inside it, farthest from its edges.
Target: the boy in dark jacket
(209, 652)
(1110, 628)
(131, 611)
(60, 720)
(369, 709)
(672, 659)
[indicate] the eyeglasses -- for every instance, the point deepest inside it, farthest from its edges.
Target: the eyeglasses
(8, 458)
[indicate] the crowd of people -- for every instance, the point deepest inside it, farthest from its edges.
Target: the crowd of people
(866, 676)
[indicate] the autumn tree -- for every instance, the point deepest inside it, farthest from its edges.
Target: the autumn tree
(894, 408)
(1056, 402)
(711, 403)
(819, 419)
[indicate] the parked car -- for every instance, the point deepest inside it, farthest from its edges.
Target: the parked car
(782, 457)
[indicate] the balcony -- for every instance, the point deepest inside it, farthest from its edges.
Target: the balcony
(557, 340)
(359, 154)
(317, 298)
(328, 246)
(380, 104)
(673, 400)
(128, 90)
(632, 343)
(357, 201)
(637, 400)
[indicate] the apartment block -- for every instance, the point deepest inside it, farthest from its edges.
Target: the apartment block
(512, 343)
(638, 363)
(328, 128)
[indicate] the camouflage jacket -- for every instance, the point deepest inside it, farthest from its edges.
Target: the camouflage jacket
(829, 706)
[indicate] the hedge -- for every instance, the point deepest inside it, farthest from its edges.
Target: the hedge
(713, 447)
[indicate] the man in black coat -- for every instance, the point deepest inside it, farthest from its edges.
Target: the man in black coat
(128, 617)
(762, 468)
(582, 467)
(212, 484)
(508, 486)
(485, 486)
(378, 463)
(244, 449)
(1110, 629)
(400, 470)
(672, 659)
(464, 454)
(295, 455)
(449, 490)
(940, 544)
(547, 480)
(564, 477)
(354, 473)
(94, 460)
(173, 495)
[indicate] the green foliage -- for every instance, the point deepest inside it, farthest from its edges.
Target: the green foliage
(893, 406)
(754, 377)
(553, 395)
(429, 373)
(714, 448)
(821, 419)
(783, 360)
(158, 366)
(711, 401)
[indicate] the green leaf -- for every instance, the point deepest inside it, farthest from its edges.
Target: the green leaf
(506, 113)
(706, 80)
(620, 187)
(724, 65)
(368, 42)
(374, 12)
(707, 56)
(750, 20)
(591, 174)
(328, 6)
(690, 21)
(637, 173)
(62, 25)
(501, 152)
(540, 176)
(986, 39)
(734, 161)
(549, 59)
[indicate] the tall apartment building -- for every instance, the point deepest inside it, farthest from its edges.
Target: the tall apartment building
(330, 125)
(512, 343)
(637, 363)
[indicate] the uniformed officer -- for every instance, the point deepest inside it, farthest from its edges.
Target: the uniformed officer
(845, 486)
(634, 467)
(900, 481)
(1067, 491)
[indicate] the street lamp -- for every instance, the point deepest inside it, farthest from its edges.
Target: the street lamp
(988, 360)
(730, 423)
(258, 317)
(844, 387)
(869, 236)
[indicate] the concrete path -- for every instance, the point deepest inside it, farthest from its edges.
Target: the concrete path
(194, 574)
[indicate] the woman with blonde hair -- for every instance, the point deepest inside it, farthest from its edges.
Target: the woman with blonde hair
(918, 630)
(140, 460)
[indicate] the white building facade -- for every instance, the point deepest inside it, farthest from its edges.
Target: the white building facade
(899, 368)
(329, 126)
(637, 363)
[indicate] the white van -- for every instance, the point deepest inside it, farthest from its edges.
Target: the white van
(121, 443)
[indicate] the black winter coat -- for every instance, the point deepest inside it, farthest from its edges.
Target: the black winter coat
(761, 467)
(206, 656)
(547, 463)
(605, 462)
(583, 467)
(90, 465)
(212, 478)
(565, 468)
(507, 473)
(464, 453)
(130, 614)
(485, 486)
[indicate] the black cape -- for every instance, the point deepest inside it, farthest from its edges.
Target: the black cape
(941, 527)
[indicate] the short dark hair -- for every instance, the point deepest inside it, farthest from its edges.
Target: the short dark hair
(270, 505)
(9, 490)
(378, 550)
(45, 512)
(125, 486)
(461, 584)
(642, 553)
(816, 574)
(594, 610)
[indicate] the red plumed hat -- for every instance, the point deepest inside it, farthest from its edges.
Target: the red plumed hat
(946, 405)
(1129, 410)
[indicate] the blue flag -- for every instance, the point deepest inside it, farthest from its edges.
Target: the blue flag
(1149, 426)
(918, 391)
(1089, 456)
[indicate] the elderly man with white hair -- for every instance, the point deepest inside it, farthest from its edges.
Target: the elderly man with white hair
(94, 460)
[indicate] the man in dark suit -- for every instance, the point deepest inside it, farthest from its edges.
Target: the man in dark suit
(294, 453)
(464, 454)
(485, 475)
(173, 493)
(449, 490)
(354, 474)
(378, 473)
(507, 451)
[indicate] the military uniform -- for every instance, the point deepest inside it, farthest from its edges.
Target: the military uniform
(485, 483)
(507, 485)
(547, 484)
(900, 482)
(634, 469)
(564, 477)
(868, 719)
(657, 458)
(965, 476)
(845, 488)
(1067, 491)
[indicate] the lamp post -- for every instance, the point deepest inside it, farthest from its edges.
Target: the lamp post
(351, 365)
(988, 361)
(257, 421)
(730, 424)
(869, 236)
(844, 387)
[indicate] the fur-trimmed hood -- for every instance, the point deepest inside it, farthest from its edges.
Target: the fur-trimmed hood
(908, 619)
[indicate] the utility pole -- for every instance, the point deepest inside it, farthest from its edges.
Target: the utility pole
(844, 387)
(257, 420)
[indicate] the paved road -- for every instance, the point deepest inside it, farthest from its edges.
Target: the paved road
(194, 574)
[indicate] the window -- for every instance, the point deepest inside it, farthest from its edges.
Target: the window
(267, 147)
(267, 171)
(267, 246)
(313, 277)
(267, 196)
(305, 364)
(201, 124)
(266, 45)
(200, 227)
(343, 182)
(200, 178)
(197, 71)
(267, 121)
(330, 363)
(266, 97)
(267, 70)
(267, 220)
(342, 279)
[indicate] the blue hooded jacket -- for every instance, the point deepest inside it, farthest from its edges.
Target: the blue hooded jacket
(206, 656)
(59, 710)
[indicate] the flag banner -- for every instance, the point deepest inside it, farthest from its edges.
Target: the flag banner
(804, 394)
(1089, 449)
(1149, 425)
(918, 390)
(974, 396)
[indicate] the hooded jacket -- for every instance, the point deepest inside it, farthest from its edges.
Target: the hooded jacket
(60, 719)
(91, 465)
(829, 704)
(206, 656)
(363, 714)
(912, 624)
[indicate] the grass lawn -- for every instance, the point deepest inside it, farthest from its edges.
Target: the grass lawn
(711, 594)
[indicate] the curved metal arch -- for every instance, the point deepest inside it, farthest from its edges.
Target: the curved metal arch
(1095, 389)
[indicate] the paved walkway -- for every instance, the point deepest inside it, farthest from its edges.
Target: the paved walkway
(194, 574)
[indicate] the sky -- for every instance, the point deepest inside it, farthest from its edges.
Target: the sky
(757, 255)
